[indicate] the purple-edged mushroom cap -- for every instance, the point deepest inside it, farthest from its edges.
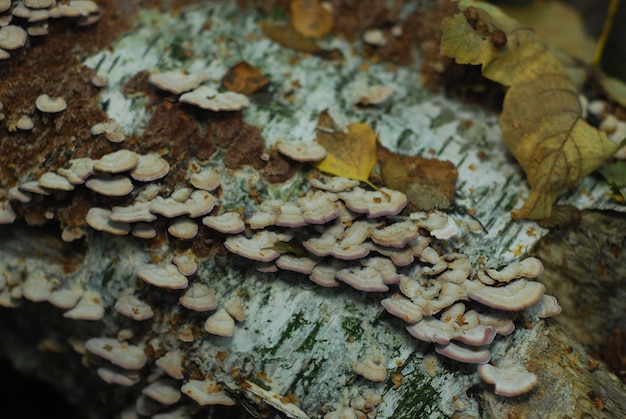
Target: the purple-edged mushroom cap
(509, 382)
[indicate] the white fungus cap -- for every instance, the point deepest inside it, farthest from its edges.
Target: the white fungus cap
(259, 247)
(98, 219)
(509, 382)
(374, 203)
(150, 167)
(137, 211)
(304, 151)
(5, 5)
(228, 222)
(64, 298)
(107, 185)
(163, 391)
(206, 97)
(37, 287)
(207, 179)
(514, 296)
(375, 95)
(130, 357)
(48, 104)
(199, 297)
(177, 81)
(186, 263)
(324, 274)
(206, 392)
(396, 234)
(183, 228)
(234, 306)
(24, 123)
(89, 307)
(530, 267)
(111, 376)
(55, 181)
(117, 162)
(80, 169)
(372, 367)
(363, 279)
(172, 364)
(403, 308)
(334, 184)
(163, 276)
(133, 307)
(12, 37)
(220, 324)
(302, 264)
(467, 355)
(143, 231)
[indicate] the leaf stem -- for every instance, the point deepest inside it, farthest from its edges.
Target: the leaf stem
(606, 31)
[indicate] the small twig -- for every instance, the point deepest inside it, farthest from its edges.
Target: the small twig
(606, 31)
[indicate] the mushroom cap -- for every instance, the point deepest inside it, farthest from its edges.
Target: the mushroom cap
(334, 184)
(25, 123)
(403, 308)
(7, 215)
(12, 37)
(199, 297)
(228, 222)
(464, 354)
(509, 382)
(183, 228)
(122, 354)
(87, 308)
(172, 364)
(319, 207)
(259, 247)
(117, 162)
(38, 4)
(302, 264)
(220, 324)
(372, 368)
(324, 274)
(137, 211)
(396, 234)
(206, 392)
(80, 169)
(163, 391)
(98, 219)
(363, 279)
(48, 104)
(143, 231)
(64, 298)
(177, 81)
(207, 179)
(374, 204)
(530, 267)
(111, 376)
(107, 185)
(133, 307)
(514, 296)
(163, 276)
(55, 181)
(186, 264)
(150, 167)
(206, 97)
(304, 151)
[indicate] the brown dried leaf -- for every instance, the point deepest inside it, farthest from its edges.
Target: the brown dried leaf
(310, 18)
(244, 78)
(290, 38)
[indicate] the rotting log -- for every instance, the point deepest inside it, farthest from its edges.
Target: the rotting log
(298, 341)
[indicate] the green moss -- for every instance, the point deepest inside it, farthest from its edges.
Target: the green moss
(352, 326)
(421, 400)
(296, 323)
(310, 341)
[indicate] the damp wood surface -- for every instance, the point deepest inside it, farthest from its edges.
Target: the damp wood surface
(299, 341)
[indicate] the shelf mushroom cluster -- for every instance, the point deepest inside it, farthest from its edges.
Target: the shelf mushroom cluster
(35, 15)
(337, 232)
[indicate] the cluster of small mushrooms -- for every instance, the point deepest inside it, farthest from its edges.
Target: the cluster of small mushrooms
(336, 232)
(34, 15)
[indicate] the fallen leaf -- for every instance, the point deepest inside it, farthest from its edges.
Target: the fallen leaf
(428, 183)
(244, 78)
(310, 18)
(290, 38)
(350, 153)
(541, 118)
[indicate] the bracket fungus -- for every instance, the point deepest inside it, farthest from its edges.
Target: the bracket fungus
(206, 392)
(509, 382)
(49, 104)
(162, 276)
(129, 357)
(177, 81)
(220, 323)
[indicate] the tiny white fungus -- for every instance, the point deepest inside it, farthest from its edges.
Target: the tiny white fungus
(48, 104)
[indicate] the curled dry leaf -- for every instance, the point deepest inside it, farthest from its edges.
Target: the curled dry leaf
(310, 18)
(244, 78)
(350, 154)
(290, 38)
(541, 118)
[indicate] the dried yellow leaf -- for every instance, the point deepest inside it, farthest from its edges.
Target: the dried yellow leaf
(350, 154)
(310, 18)
(540, 121)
